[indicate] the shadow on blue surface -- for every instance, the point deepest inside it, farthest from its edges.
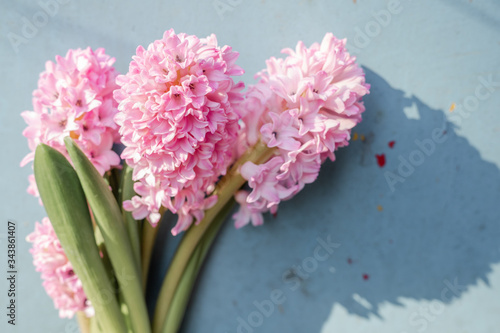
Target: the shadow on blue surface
(483, 16)
(436, 234)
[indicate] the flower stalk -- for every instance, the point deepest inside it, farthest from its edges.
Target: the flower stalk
(147, 244)
(83, 322)
(182, 295)
(225, 190)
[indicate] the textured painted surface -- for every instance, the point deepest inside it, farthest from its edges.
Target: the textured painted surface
(422, 258)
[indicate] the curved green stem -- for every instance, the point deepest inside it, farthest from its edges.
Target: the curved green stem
(83, 322)
(147, 243)
(225, 190)
(183, 292)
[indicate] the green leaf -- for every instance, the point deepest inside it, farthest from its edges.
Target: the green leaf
(109, 219)
(149, 234)
(94, 326)
(67, 209)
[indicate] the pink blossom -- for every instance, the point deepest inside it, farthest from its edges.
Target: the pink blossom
(246, 213)
(75, 98)
(178, 124)
(304, 106)
(281, 132)
(264, 182)
(59, 279)
(33, 189)
(255, 107)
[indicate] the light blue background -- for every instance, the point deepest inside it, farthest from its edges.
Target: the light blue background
(439, 226)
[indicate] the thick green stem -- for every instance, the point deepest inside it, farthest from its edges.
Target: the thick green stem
(225, 190)
(182, 294)
(83, 322)
(148, 240)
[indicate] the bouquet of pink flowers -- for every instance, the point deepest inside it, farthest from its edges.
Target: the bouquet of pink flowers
(194, 144)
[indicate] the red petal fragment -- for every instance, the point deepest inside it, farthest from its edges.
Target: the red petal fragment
(380, 160)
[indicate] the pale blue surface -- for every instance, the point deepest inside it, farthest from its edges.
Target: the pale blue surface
(441, 224)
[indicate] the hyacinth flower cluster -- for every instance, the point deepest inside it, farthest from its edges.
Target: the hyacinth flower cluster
(75, 98)
(59, 278)
(178, 124)
(304, 106)
(194, 145)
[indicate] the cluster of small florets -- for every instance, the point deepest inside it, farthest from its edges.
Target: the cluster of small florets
(178, 124)
(304, 106)
(75, 98)
(59, 279)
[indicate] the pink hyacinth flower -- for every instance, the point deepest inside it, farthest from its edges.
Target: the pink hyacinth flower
(178, 124)
(59, 279)
(305, 107)
(75, 98)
